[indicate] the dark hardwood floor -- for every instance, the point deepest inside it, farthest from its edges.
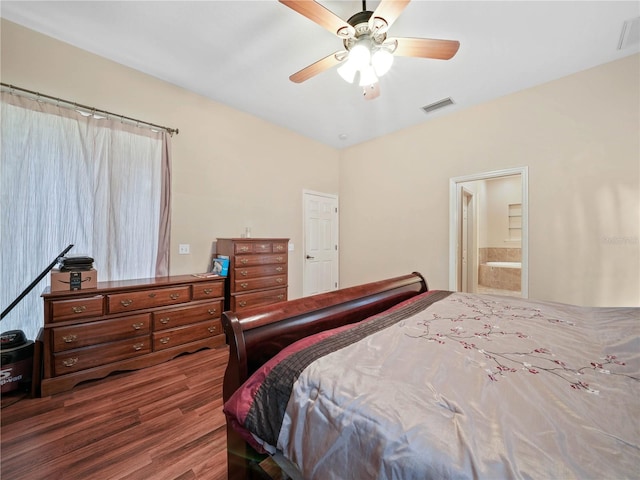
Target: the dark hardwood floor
(161, 422)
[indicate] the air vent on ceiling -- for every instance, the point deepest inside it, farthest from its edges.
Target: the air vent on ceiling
(630, 34)
(437, 105)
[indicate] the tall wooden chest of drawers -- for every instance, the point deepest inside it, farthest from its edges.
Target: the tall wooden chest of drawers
(126, 325)
(258, 271)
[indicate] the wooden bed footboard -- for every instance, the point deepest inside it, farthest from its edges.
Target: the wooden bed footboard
(256, 335)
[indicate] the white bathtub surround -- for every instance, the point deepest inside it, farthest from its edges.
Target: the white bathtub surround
(504, 264)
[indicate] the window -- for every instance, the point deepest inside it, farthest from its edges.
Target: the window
(72, 178)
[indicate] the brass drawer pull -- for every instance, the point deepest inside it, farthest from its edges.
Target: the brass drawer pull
(243, 248)
(279, 247)
(244, 261)
(165, 340)
(211, 329)
(279, 269)
(244, 285)
(280, 297)
(79, 309)
(279, 259)
(126, 303)
(243, 304)
(138, 346)
(70, 362)
(212, 311)
(138, 326)
(207, 291)
(69, 338)
(174, 296)
(165, 320)
(152, 295)
(244, 273)
(279, 280)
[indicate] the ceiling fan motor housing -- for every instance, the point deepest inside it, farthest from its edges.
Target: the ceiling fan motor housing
(360, 23)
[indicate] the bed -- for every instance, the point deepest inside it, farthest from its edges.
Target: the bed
(392, 380)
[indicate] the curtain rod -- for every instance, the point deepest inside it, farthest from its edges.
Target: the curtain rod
(12, 88)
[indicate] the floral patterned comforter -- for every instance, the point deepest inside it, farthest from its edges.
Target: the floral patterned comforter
(453, 385)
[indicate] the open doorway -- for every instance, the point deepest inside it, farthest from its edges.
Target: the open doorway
(488, 233)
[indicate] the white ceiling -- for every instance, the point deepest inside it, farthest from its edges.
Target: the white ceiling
(241, 53)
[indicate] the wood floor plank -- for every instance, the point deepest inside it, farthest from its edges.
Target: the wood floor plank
(162, 422)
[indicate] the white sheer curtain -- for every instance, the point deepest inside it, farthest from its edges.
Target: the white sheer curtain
(70, 178)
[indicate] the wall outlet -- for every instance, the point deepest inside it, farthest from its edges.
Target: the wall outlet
(183, 249)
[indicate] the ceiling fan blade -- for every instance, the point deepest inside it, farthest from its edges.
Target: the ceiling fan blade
(322, 16)
(315, 68)
(390, 10)
(426, 48)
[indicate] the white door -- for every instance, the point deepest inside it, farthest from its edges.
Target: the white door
(468, 275)
(320, 272)
(464, 241)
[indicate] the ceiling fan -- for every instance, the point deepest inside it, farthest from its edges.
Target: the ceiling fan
(367, 49)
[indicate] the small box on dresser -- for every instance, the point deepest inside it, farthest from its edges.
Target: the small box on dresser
(73, 280)
(126, 325)
(258, 271)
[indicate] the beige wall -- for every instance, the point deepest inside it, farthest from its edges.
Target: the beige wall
(580, 138)
(578, 135)
(230, 169)
(494, 203)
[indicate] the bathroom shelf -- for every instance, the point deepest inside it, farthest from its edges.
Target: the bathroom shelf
(515, 221)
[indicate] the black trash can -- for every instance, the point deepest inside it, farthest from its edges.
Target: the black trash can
(17, 361)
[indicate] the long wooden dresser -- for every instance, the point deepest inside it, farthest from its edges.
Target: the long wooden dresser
(126, 325)
(258, 271)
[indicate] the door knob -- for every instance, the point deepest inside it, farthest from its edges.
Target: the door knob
(309, 257)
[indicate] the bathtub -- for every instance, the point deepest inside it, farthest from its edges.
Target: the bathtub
(504, 264)
(500, 275)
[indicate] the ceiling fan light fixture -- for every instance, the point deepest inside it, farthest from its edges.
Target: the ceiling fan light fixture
(370, 60)
(348, 71)
(360, 54)
(381, 60)
(368, 76)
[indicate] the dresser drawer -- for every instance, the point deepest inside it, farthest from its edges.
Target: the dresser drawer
(159, 297)
(260, 247)
(82, 335)
(280, 247)
(77, 308)
(248, 300)
(267, 259)
(248, 284)
(241, 247)
(203, 291)
(260, 271)
(179, 336)
(177, 317)
(253, 247)
(88, 357)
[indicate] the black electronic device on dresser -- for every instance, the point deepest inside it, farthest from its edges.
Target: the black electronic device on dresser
(258, 271)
